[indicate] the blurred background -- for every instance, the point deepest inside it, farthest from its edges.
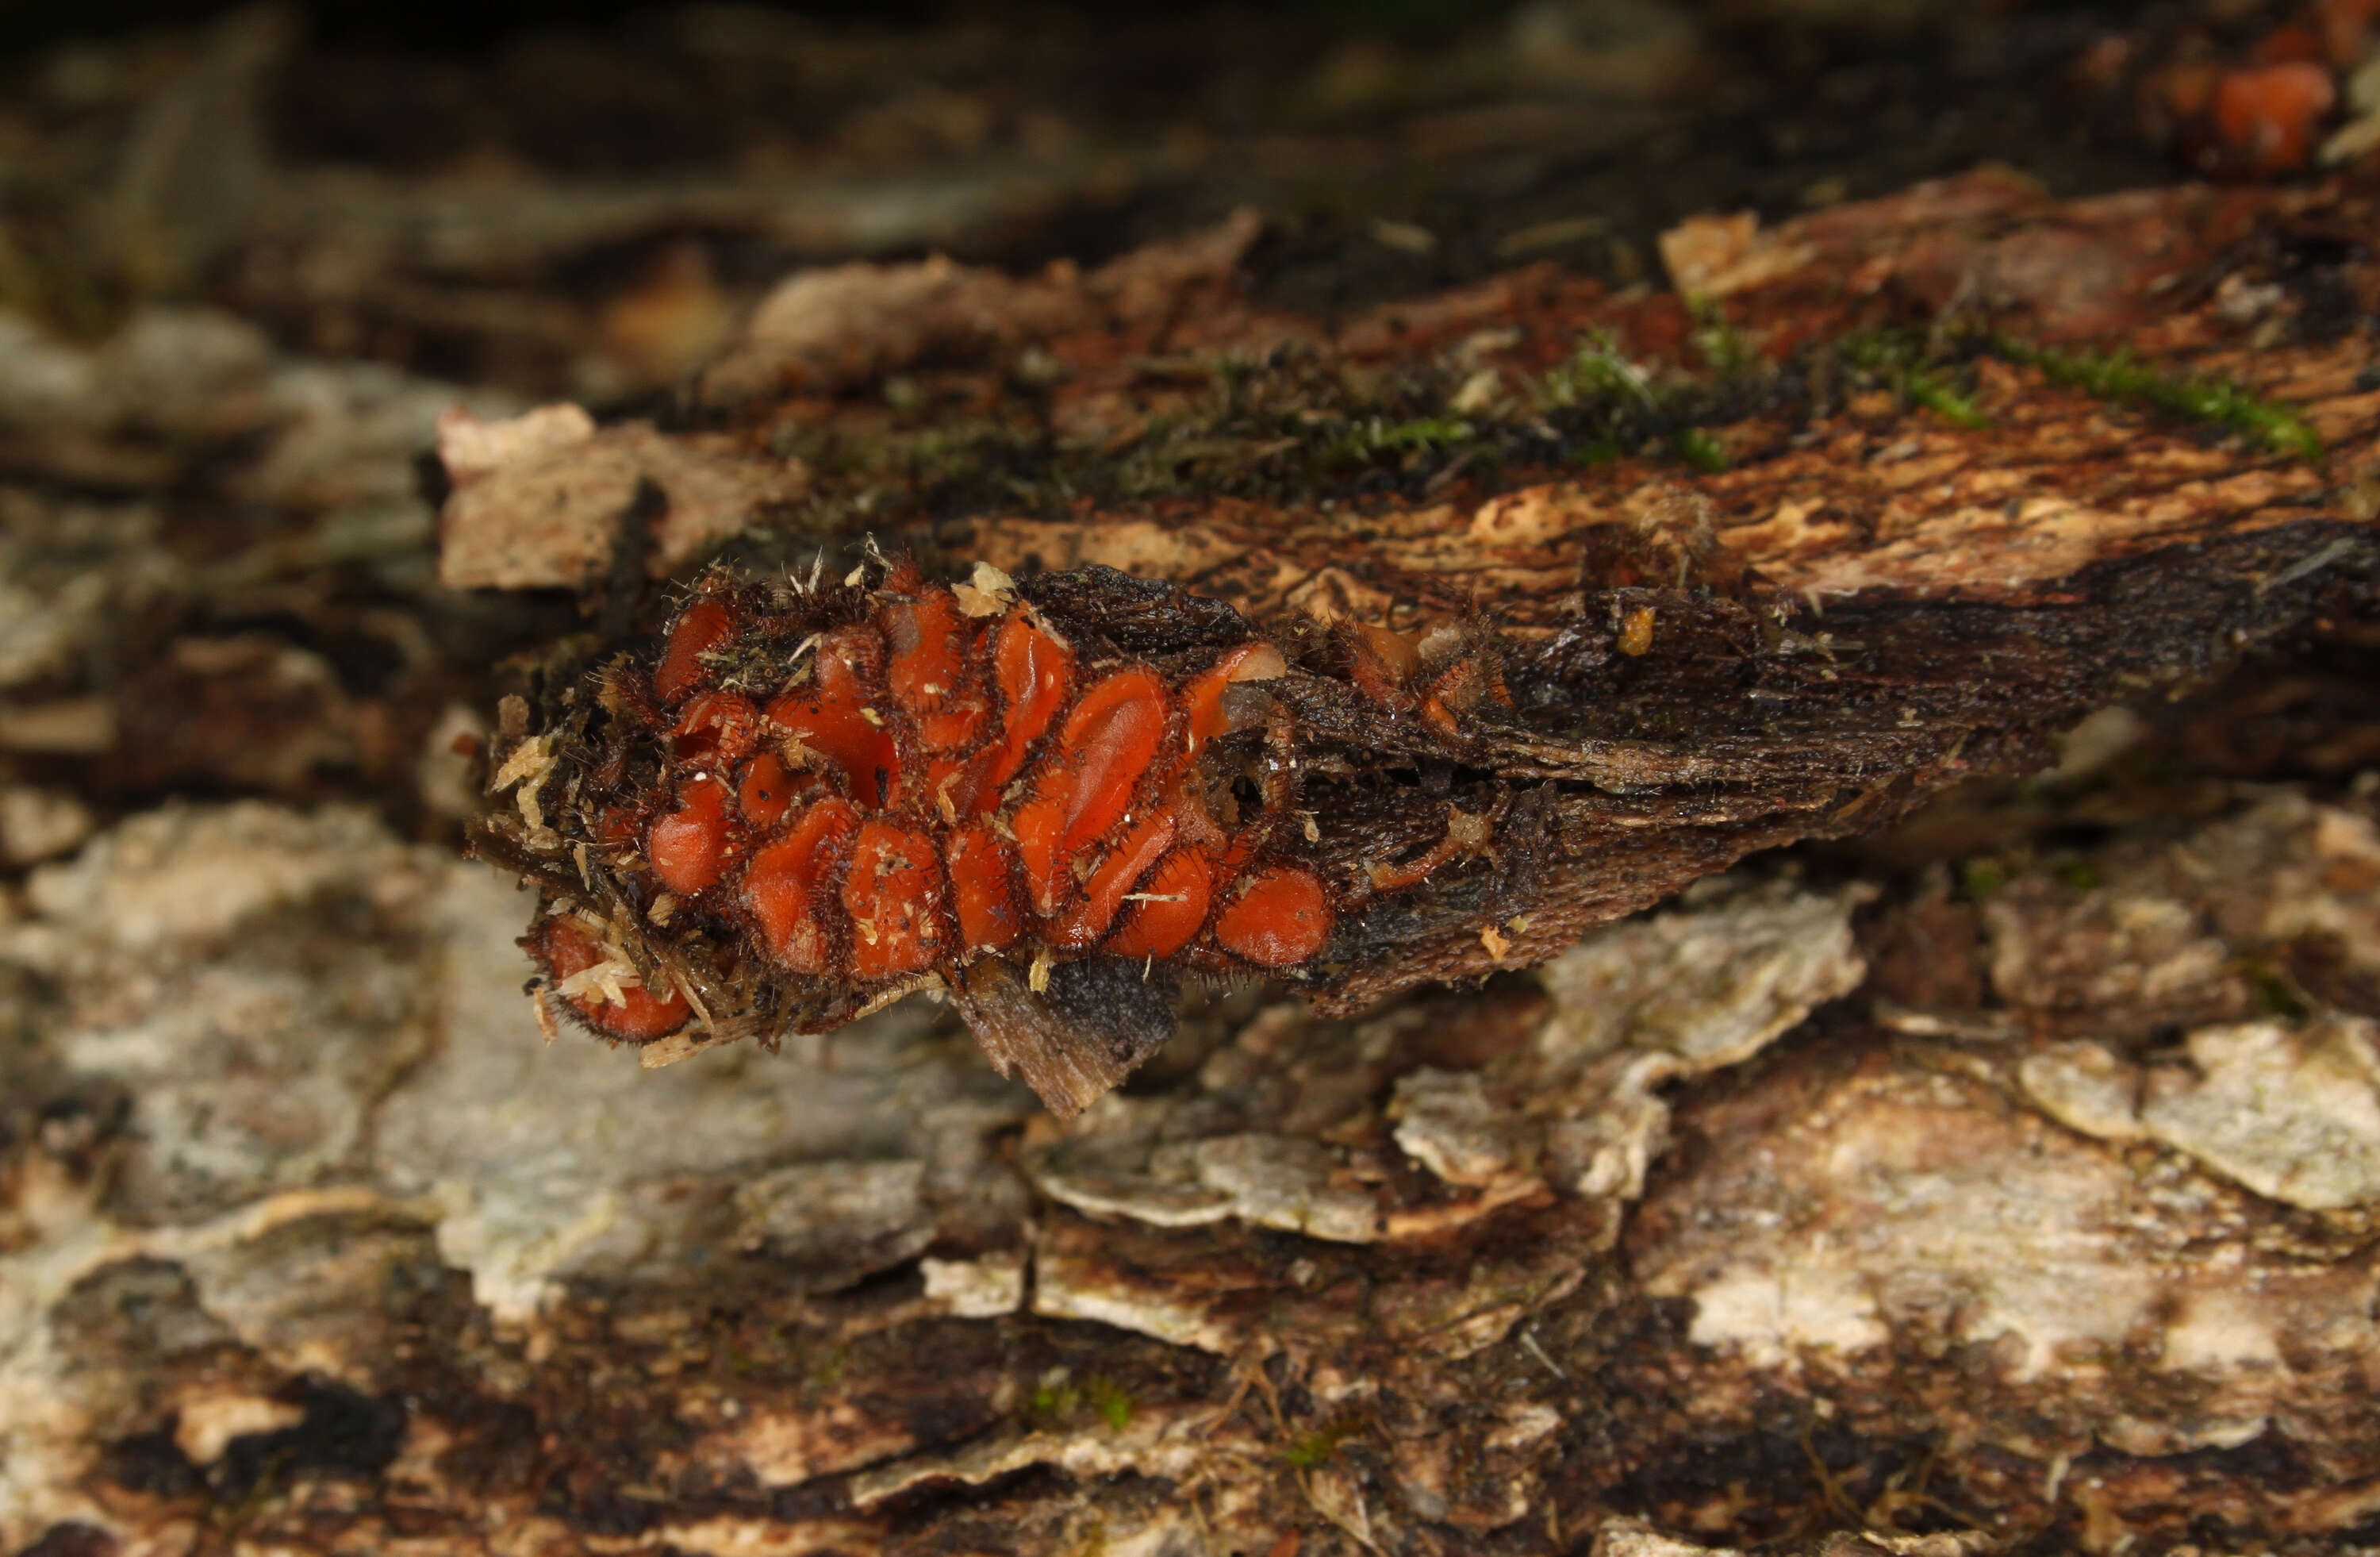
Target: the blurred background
(575, 200)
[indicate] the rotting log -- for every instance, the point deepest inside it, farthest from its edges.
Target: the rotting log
(1799, 1207)
(1865, 605)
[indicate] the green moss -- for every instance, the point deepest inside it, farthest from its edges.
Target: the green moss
(1930, 390)
(1601, 404)
(1722, 346)
(1063, 1400)
(1297, 426)
(1311, 1450)
(1110, 1399)
(1595, 372)
(1424, 432)
(1981, 877)
(2120, 376)
(2079, 875)
(1369, 442)
(1059, 1401)
(1698, 448)
(1898, 361)
(1292, 427)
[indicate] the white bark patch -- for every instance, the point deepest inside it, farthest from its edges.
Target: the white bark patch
(2293, 1114)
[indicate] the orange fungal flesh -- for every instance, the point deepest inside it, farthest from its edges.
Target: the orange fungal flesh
(927, 663)
(565, 947)
(1103, 893)
(1203, 699)
(767, 791)
(930, 788)
(1173, 905)
(963, 786)
(617, 827)
(689, 845)
(979, 863)
(2269, 116)
(944, 701)
(1108, 742)
(1280, 920)
(835, 719)
(783, 886)
(1040, 827)
(951, 729)
(890, 894)
(717, 727)
(1034, 672)
(700, 628)
(1380, 664)
(943, 785)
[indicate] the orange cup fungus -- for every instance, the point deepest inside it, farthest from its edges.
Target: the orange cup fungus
(618, 1006)
(925, 787)
(2268, 118)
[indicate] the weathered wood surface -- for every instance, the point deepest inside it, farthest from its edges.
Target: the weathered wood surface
(2024, 1198)
(1865, 606)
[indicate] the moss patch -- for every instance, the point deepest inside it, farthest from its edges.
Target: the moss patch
(2122, 377)
(1299, 427)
